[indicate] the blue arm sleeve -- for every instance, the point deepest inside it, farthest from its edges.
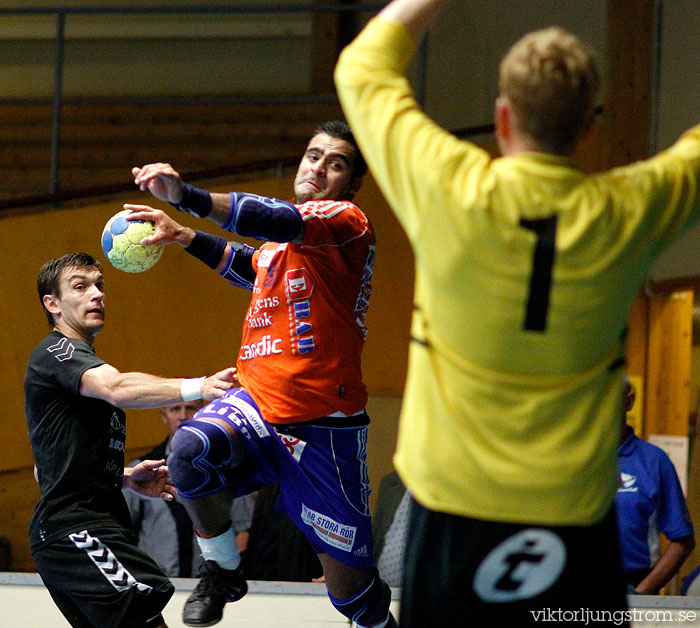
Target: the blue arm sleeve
(238, 270)
(239, 265)
(195, 201)
(263, 218)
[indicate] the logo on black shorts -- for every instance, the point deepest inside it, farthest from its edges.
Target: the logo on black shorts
(521, 567)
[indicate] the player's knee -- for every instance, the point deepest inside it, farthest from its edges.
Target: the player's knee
(200, 452)
(369, 607)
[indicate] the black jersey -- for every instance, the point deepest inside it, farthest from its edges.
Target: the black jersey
(77, 442)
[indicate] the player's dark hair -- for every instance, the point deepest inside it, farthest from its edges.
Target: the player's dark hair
(49, 279)
(341, 131)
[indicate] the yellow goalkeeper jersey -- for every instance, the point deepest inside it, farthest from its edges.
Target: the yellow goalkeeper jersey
(525, 272)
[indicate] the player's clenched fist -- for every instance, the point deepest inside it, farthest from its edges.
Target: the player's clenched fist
(161, 180)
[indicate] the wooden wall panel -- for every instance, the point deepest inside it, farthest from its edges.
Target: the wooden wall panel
(628, 99)
(668, 365)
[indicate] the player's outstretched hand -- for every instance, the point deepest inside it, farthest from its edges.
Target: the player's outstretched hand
(150, 478)
(161, 180)
(167, 231)
(216, 385)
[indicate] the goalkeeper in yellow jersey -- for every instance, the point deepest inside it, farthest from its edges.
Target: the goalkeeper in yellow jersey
(525, 271)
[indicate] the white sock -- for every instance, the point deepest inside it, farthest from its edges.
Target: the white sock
(222, 549)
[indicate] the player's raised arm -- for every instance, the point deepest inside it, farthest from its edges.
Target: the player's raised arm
(165, 183)
(244, 214)
(141, 390)
(161, 180)
(415, 15)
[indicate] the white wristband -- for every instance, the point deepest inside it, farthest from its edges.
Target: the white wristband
(191, 389)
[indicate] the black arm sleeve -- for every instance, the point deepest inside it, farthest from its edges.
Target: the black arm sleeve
(207, 247)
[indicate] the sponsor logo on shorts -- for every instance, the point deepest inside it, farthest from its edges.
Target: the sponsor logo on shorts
(328, 530)
(520, 567)
(295, 446)
(103, 558)
(243, 412)
(361, 552)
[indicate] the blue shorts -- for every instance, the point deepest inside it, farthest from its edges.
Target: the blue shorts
(320, 467)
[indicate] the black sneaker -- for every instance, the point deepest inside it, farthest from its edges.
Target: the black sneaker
(205, 607)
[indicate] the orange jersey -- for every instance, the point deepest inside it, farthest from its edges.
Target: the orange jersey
(304, 330)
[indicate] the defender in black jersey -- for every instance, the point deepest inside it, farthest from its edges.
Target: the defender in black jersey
(80, 535)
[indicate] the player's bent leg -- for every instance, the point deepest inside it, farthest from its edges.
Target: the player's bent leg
(203, 450)
(221, 579)
(74, 616)
(368, 607)
(368, 604)
(98, 577)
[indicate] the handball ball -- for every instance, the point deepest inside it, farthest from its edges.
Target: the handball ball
(120, 243)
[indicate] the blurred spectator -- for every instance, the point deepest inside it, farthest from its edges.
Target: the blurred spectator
(649, 500)
(389, 526)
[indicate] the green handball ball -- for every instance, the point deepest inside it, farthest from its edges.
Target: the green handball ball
(120, 243)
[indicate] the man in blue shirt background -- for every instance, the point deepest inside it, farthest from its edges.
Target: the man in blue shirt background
(649, 500)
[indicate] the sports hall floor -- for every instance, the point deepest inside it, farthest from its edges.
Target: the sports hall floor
(24, 603)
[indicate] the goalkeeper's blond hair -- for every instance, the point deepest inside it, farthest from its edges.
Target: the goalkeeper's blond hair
(551, 80)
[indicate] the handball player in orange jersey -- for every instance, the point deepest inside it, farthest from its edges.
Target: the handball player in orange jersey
(299, 418)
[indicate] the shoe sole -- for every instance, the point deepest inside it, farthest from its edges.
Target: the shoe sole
(241, 593)
(203, 624)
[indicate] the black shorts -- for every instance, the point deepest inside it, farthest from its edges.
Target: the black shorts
(461, 571)
(100, 579)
